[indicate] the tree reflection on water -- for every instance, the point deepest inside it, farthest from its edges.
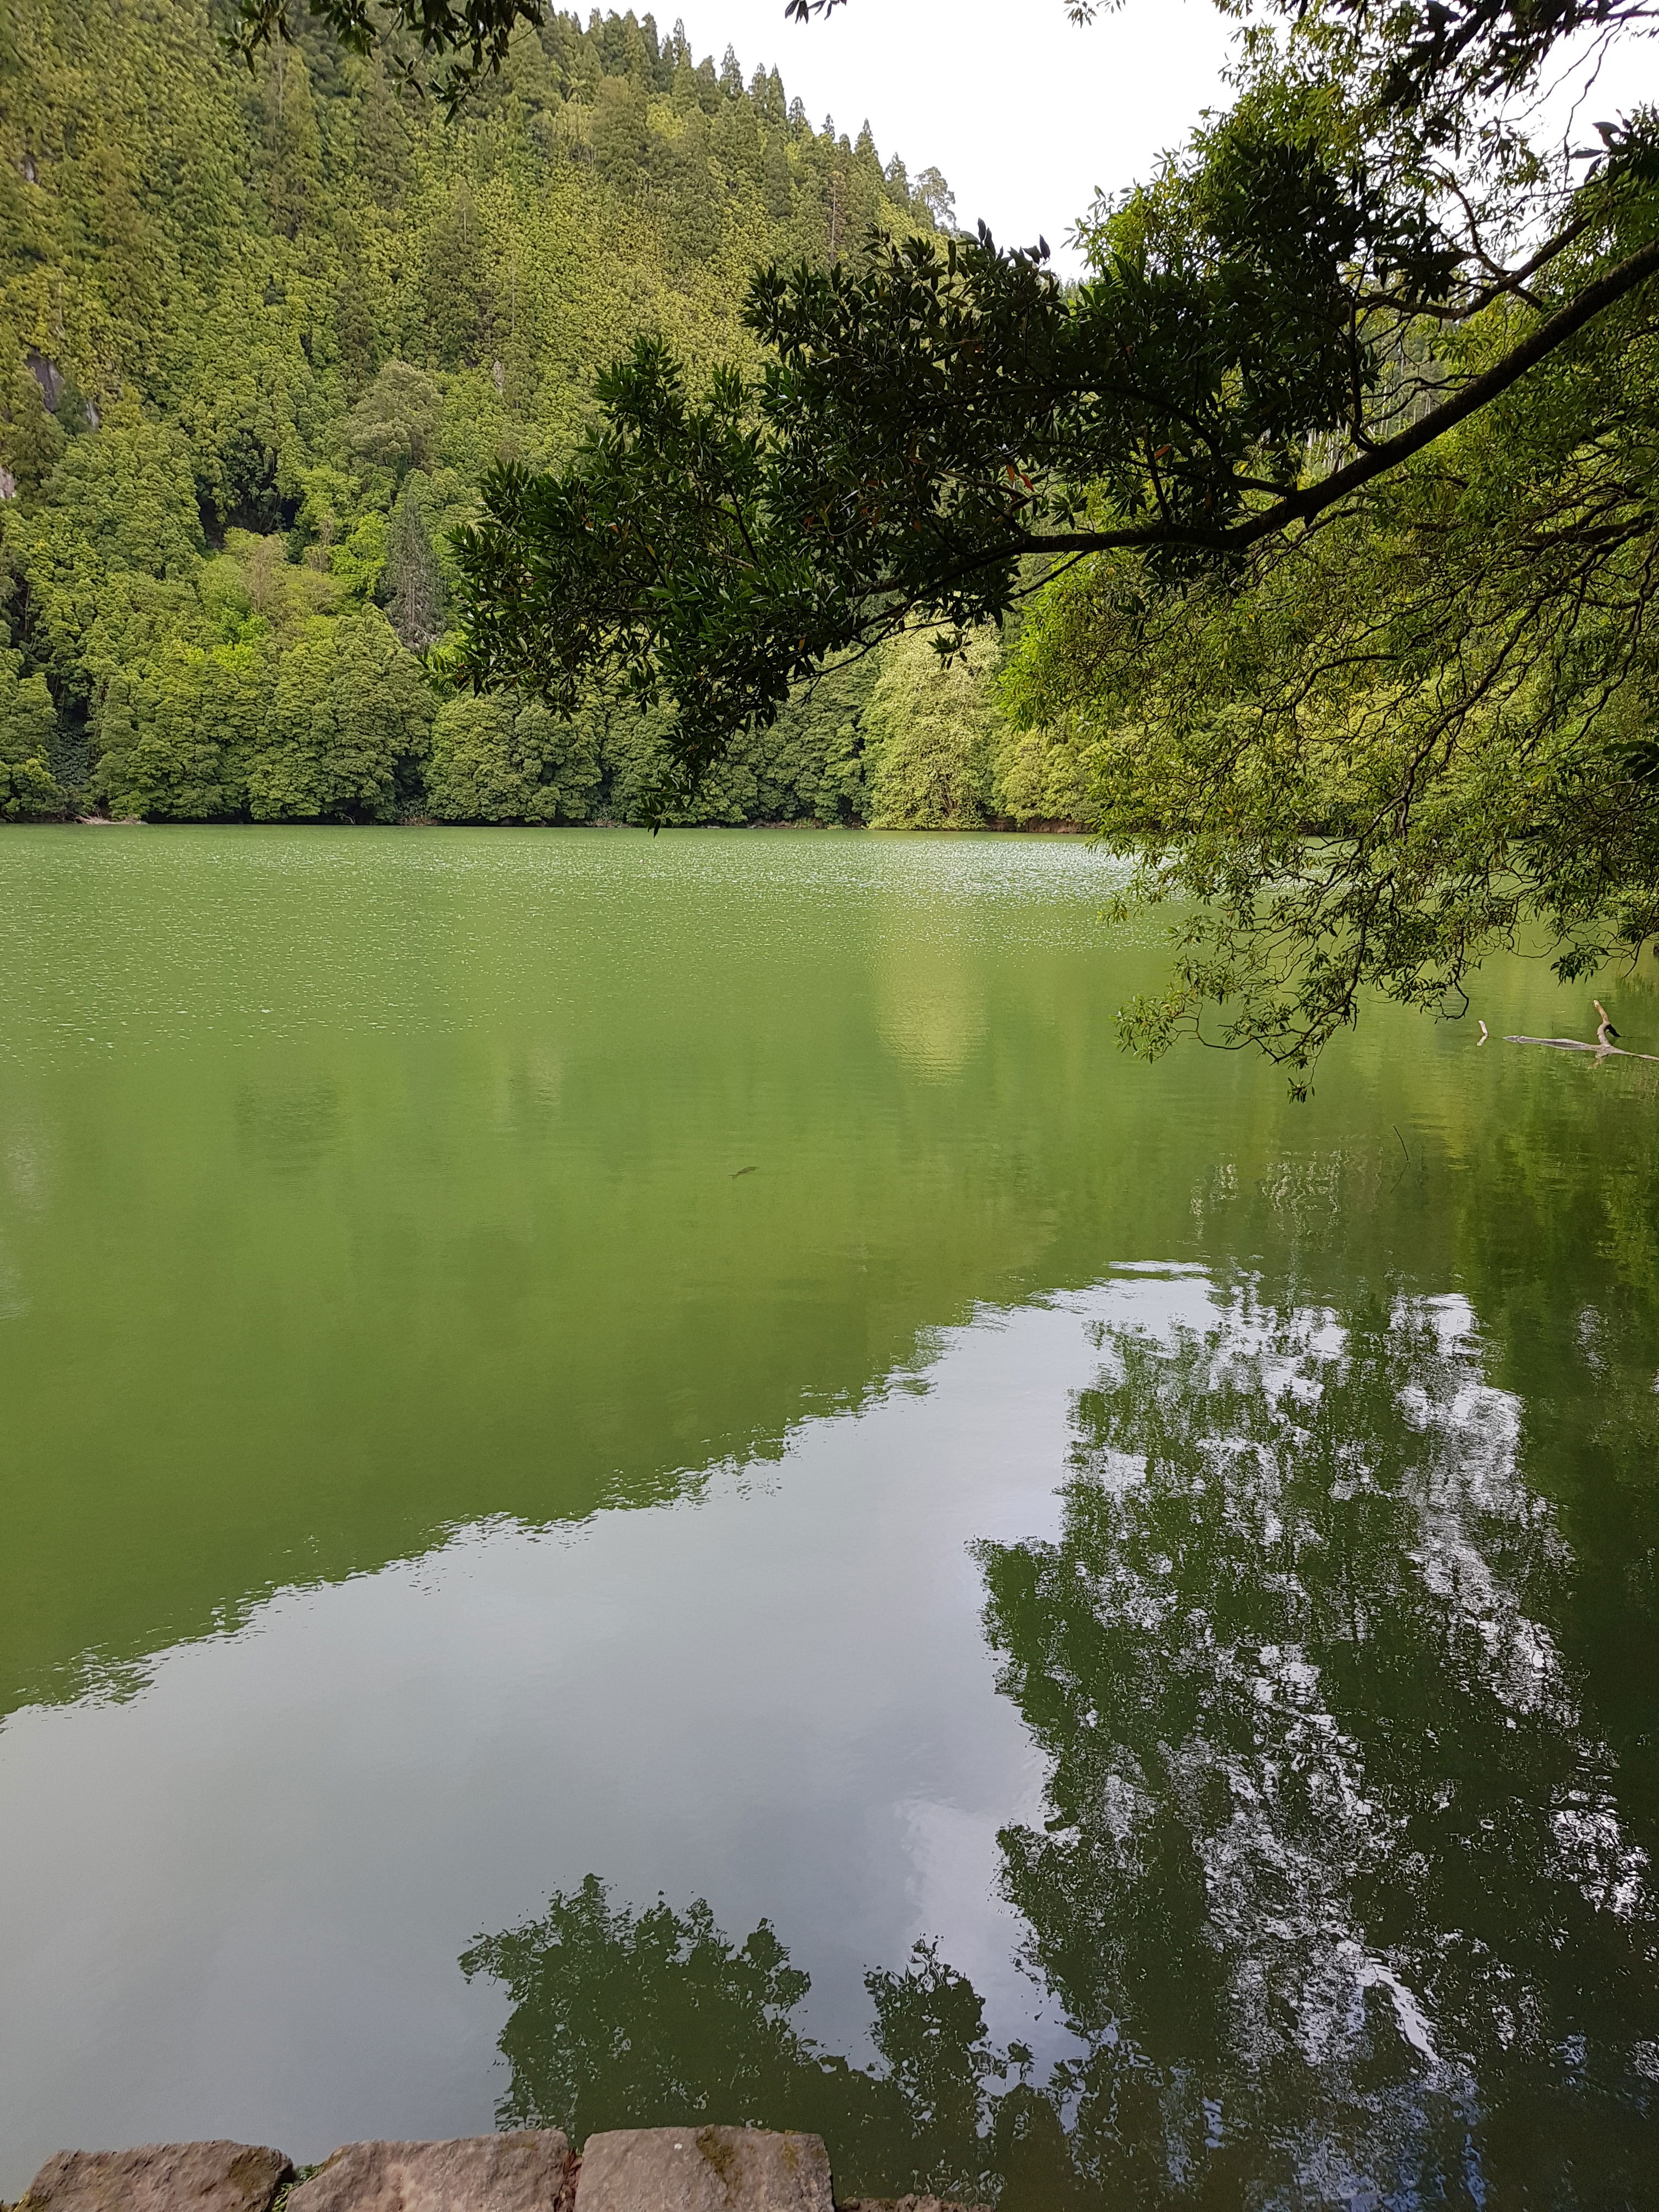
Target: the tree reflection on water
(623, 2020)
(1335, 1883)
(1335, 1891)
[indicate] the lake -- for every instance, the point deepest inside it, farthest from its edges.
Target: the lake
(645, 1480)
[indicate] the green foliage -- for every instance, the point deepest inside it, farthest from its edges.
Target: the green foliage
(264, 332)
(466, 41)
(1416, 734)
(112, 547)
(348, 710)
(360, 560)
(1362, 662)
(817, 748)
(1044, 775)
(329, 724)
(30, 438)
(929, 413)
(413, 582)
(29, 732)
(811, 765)
(394, 426)
(929, 737)
(497, 759)
(176, 732)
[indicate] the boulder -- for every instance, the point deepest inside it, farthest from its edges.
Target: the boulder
(520, 2172)
(703, 2170)
(907, 2204)
(196, 2177)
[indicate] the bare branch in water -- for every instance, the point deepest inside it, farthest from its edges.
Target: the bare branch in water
(1604, 1048)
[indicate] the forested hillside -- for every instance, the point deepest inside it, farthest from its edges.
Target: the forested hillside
(262, 335)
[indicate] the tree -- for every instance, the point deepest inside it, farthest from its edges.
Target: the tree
(621, 133)
(469, 40)
(175, 731)
(1421, 731)
(1360, 258)
(28, 733)
(347, 710)
(929, 735)
(395, 422)
(457, 291)
(415, 585)
(496, 759)
(30, 438)
(624, 2018)
(114, 543)
(293, 151)
(936, 195)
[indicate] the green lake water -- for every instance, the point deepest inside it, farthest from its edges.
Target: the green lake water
(644, 1480)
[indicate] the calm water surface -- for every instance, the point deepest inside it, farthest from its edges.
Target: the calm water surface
(644, 1480)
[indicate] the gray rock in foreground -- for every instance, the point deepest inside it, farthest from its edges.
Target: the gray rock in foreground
(521, 2172)
(906, 2204)
(703, 2170)
(196, 2176)
(700, 2169)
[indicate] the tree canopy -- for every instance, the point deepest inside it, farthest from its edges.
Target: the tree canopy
(466, 40)
(1329, 482)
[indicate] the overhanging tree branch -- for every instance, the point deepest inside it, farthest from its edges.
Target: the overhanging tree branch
(1310, 500)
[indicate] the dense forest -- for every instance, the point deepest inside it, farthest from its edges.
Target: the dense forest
(264, 332)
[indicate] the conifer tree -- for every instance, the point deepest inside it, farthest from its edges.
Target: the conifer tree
(412, 583)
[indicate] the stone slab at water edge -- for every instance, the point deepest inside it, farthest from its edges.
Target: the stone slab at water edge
(531, 2170)
(627, 2170)
(198, 2177)
(494, 2173)
(704, 2170)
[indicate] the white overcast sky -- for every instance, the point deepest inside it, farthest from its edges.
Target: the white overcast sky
(1025, 113)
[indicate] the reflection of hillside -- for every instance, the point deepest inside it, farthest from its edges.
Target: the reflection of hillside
(930, 991)
(353, 1187)
(455, 1232)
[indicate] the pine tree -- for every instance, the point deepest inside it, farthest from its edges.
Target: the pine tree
(412, 585)
(292, 147)
(937, 200)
